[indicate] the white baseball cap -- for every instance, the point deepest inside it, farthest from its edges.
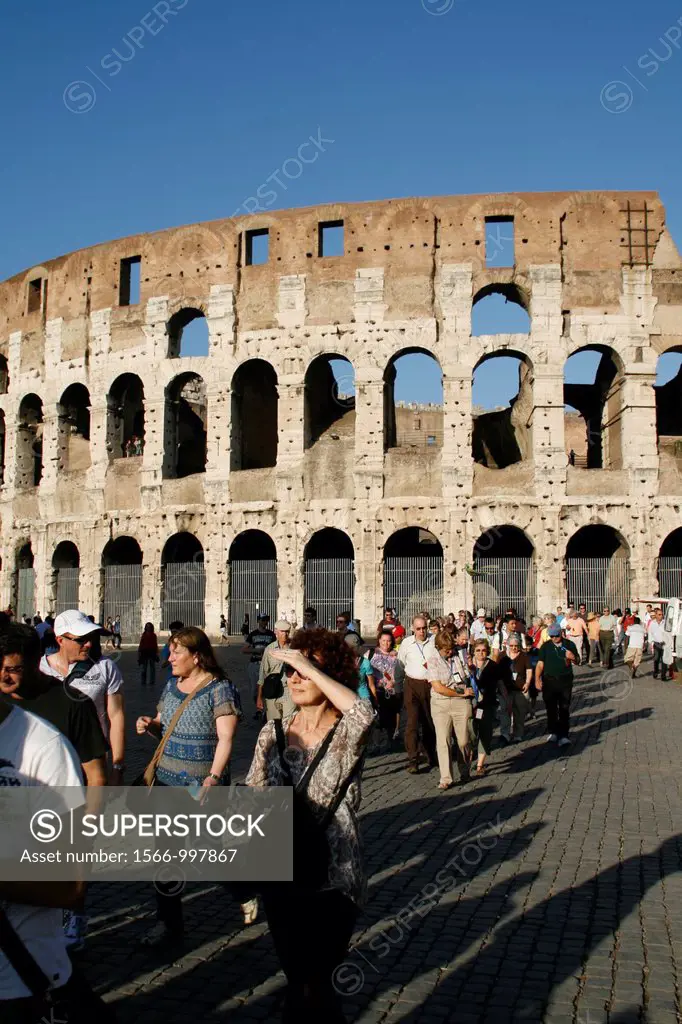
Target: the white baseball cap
(74, 622)
(480, 614)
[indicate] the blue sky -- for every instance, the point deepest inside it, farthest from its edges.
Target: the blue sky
(191, 116)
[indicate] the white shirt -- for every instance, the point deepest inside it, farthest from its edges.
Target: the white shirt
(33, 753)
(635, 635)
(478, 630)
(414, 655)
(102, 679)
(656, 632)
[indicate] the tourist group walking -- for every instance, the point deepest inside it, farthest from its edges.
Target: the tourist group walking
(323, 699)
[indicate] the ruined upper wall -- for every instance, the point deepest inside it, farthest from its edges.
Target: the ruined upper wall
(590, 234)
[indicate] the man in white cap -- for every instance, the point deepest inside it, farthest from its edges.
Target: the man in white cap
(273, 671)
(478, 631)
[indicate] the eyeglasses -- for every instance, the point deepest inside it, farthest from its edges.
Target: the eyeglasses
(80, 640)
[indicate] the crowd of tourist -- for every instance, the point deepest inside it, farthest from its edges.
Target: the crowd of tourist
(324, 698)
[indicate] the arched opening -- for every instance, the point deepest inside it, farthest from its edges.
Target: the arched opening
(504, 572)
(598, 568)
(413, 402)
(183, 581)
(185, 426)
(30, 443)
(122, 585)
(65, 581)
(252, 566)
(593, 397)
(668, 391)
(329, 575)
(502, 398)
(24, 583)
(187, 334)
(125, 417)
(2, 447)
(329, 400)
(500, 309)
(670, 565)
(74, 429)
(4, 376)
(413, 573)
(254, 416)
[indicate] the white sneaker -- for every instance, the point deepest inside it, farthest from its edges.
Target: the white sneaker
(564, 741)
(250, 910)
(551, 738)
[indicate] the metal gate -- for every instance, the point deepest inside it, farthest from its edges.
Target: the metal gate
(67, 589)
(123, 598)
(26, 580)
(670, 576)
(502, 583)
(253, 591)
(329, 586)
(598, 582)
(183, 589)
(414, 585)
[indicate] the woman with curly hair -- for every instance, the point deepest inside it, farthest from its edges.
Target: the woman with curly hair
(319, 750)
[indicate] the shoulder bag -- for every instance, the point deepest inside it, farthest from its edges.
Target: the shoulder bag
(73, 1003)
(148, 776)
(311, 846)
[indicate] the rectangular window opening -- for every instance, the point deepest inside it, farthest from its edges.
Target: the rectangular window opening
(331, 240)
(499, 242)
(257, 247)
(35, 295)
(129, 282)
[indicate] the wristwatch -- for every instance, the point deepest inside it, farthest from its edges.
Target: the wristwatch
(212, 775)
(118, 767)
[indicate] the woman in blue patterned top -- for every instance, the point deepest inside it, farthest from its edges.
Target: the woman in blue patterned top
(198, 751)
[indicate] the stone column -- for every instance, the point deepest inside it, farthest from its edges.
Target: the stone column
(454, 291)
(99, 455)
(221, 321)
(549, 449)
(368, 472)
(154, 458)
(219, 420)
(290, 440)
(51, 449)
(550, 584)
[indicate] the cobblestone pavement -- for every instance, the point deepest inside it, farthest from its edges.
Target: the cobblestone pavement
(547, 891)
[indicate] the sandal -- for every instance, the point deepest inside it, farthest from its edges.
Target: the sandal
(481, 771)
(444, 785)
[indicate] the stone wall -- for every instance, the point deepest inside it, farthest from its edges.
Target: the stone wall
(409, 276)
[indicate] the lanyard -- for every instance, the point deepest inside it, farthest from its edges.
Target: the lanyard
(421, 651)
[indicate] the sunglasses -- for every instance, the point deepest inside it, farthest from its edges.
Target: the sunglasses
(80, 640)
(289, 669)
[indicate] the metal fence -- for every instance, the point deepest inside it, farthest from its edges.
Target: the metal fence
(414, 585)
(670, 576)
(26, 580)
(598, 582)
(183, 589)
(329, 586)
(123, 597)
(66, 589)
(253, 591)
(502, 583)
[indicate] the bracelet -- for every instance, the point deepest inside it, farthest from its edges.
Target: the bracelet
(119, 766)
(212, 775)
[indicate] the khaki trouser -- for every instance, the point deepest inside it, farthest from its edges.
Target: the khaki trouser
(633, 656)
(452, 714)
(279, 707)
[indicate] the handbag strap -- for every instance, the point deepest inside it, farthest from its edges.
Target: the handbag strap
(150, 770)
(343, 788)
(321, 751)
(28, 969)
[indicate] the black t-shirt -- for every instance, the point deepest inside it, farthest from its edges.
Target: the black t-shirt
(487, 679)
(553, 657)
(260, 638)
(73, 714)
